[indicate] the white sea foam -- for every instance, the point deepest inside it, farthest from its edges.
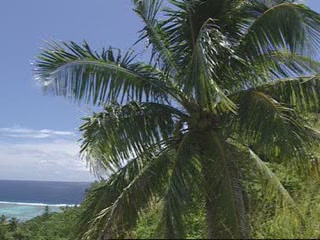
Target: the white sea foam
(38, 204)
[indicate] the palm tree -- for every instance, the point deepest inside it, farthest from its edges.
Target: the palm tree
(13, 224)
(3, 219)
(219, 99)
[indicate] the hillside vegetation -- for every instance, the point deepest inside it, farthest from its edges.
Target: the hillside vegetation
(267, 219)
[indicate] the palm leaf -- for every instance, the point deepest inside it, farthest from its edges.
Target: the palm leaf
(203, 81)
(183, 181)
(76, 71)
(119, 133)
(154, 35)
(283, 26)
(226, 215)
(118, 204)
(274, 184)
(280, 64)
(186, 19)
(274, 129)
(107, 191)
(302, 93)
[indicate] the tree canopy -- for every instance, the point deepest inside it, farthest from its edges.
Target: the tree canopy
(219, 100)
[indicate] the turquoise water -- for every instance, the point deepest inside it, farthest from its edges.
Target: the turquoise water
(26, 211)
(27, 199)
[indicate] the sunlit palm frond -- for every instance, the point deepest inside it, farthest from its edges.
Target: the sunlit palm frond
(186, 18)
(77, 72)
(283, 26)
(301, 93)
(119, 133)
(273, 188)
(274, 185)
(203, 81)
(275, 129)
(280, 64)
(153, 34)
(116, 206)
(106, 192)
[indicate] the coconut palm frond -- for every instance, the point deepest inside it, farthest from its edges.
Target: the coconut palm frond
(116, 205)
(77, 72)
(106, 192)
(203, 82)
(287, 25)
(183, 181)
(153, 35)
(226, 216)
(274, 185)
(301, 93)
(279, 65)
(119, 133)
(274, 128)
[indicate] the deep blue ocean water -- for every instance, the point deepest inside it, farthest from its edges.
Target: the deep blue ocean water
(27, 199)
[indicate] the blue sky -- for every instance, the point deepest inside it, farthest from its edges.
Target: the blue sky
(30, 147)
(38, 133)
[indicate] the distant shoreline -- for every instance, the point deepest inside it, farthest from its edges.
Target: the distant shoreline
(27, 211)
(38, 204)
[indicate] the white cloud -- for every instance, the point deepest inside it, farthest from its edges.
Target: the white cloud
(38, 135)
(41, 155)
(18, 132)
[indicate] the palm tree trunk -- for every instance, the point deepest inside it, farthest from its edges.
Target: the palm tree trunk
(224, 222)
(225, 208)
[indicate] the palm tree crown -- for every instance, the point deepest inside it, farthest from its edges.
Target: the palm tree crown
(221, 92)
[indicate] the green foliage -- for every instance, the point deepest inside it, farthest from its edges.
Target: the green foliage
(267, 219)
(147, 225)
(270, 221)
(53, 226)
(194, 221)
(216, 106)
(4, 233)
(49, 226)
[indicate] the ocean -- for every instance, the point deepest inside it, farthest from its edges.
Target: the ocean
(27, 199)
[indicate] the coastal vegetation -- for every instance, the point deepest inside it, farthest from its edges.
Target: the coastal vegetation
(264, 222)
(209, 137)
(49, 226)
